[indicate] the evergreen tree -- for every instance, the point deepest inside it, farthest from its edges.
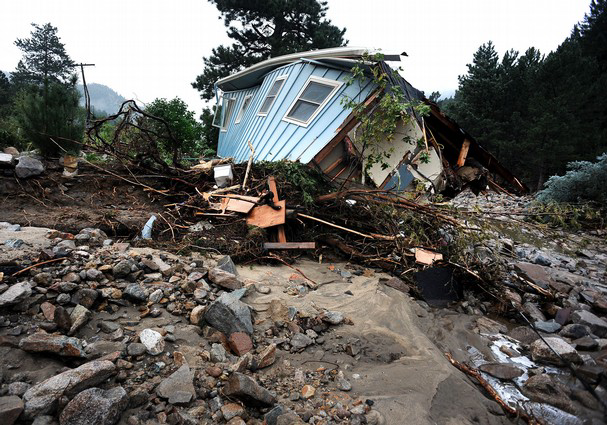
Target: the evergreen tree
(44, 58)
(263, 29)
(6, 94)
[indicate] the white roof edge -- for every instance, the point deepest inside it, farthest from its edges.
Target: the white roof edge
(334, 52)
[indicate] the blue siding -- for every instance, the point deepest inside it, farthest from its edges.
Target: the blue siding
(275, 139)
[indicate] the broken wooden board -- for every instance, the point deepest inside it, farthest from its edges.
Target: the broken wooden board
(289, 245)
(427, 257)
(236, 205)
(281, 235)
(265, 216)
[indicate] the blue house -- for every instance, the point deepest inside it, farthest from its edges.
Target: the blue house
(291, 108)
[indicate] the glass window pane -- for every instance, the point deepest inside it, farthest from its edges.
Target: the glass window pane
(243, 108)
(275, 87)
(302, 111)
(266, 105)
(316, 92)
(228, 113)
(218, 110)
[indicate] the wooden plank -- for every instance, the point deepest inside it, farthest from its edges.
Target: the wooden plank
(281, 235)
(289, 245)
(265, 216)
(238, 205)
(254, 199)
(463, 153)
(332, 166)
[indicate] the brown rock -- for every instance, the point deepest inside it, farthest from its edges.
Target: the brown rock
(398, 284)
(197, 315)
(95, 407)
(308, 391)
(57, 344)
(502, 370)
(240, 343)
(214, 371)
(62, 318)
(236, 421)
(179, 358)
(267, 357)
(10, 409)
(544, 388)
(231, 410)
(48, 310)
(224, 279)
(248, 391)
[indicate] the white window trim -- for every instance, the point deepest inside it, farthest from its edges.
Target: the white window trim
(226, 124)
(218, 112)
(280, 77)
(336, 86)
(242, 109)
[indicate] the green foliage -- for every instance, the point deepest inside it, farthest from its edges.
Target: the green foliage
(50, 118)
(210, 134)
(568, 216)
(391, 110)
(44, 58)
(178, 132)
(305, 181)
(261, 30)
(584, 181)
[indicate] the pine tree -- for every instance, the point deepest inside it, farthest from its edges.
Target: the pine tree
(263, 29)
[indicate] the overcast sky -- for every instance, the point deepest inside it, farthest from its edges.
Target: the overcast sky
(145, 49)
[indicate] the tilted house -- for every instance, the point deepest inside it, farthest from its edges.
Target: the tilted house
(291, 108)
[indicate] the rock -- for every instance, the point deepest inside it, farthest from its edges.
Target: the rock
(225, 263)
(224, 279)
(549, 327)
(523, 334)
(42, 398)
(150, 264)
(218, 353)
(197, 315)
(135, 293)
(267, 357)
(10, 409)
(534, 312)
(62, 318)
(13, 243)
(562, 316)
(28, 167)
(544, 389)
(374, 417)
(18, 388)
(121, 269)
(574, 331)
(585, 343)
(300, 341)
(94, 274)
(489, 326)
(262, 289)
(79, 317)
(107, 326)
(153, 341)
(332, 317)
(289, 418)
(228, 314)
(597, 325)
(85, 297)
(41, 342)
(502, 370)
(95, 407)
(248, 391)
(240, 343)
(43, 279)
(397, 284)
(542, 352)
(178, 387)
(156, 296)
(11, 151)
(232, 410)
(135, 349)
(236, 421)
(15, 294)
(48, 310)
(342, 383)
(308, 391)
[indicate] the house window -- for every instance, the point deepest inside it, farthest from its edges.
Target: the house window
(243, 108)
(274, 90)
(217, 114)
(227, 114)
(315, 94)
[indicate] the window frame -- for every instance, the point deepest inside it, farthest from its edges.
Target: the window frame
(279, 78)
(242, 109)
(320, 80)
(218, 112)
(229, 101)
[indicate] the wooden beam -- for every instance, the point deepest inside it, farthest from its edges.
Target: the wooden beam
(289, 245)
(332, 166)
(463, 153)
(280, 230)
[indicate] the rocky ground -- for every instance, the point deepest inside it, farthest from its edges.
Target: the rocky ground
(108, 332)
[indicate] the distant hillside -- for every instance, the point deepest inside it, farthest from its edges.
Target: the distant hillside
(103, 98)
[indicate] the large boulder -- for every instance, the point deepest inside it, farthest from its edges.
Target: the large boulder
(28, 167)
(228, 314)
(597, 325)
(95, 407)
(42, 398)
(41, 342)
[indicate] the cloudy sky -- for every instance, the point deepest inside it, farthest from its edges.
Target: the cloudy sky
(145, 49)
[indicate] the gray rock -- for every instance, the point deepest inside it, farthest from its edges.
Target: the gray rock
(95, 407)
(228, 314)
(248, 391)
(86, 297)
(333, 317)
(6, 160)
(121, 269)
(534, 312)
(41, 342)
(225, 263)
(42, 398)
(13, 243)
(135, 349)
(585, 343)
(153, 341)
(44, 420)
(502, 370)
(178, 386)
(28, 167)
(135, 293)
(218, 353)
(63, 299)
(342, 383)
(549, 327)
(18, 388)
(300, 341)
(94, 274)
(108, 327)
(597, 325)
(10, 409)
(543, 353)
(15, 294)
(61, 317)
(156, 296)
(545, 389)
(79, 317)
(574, 331)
